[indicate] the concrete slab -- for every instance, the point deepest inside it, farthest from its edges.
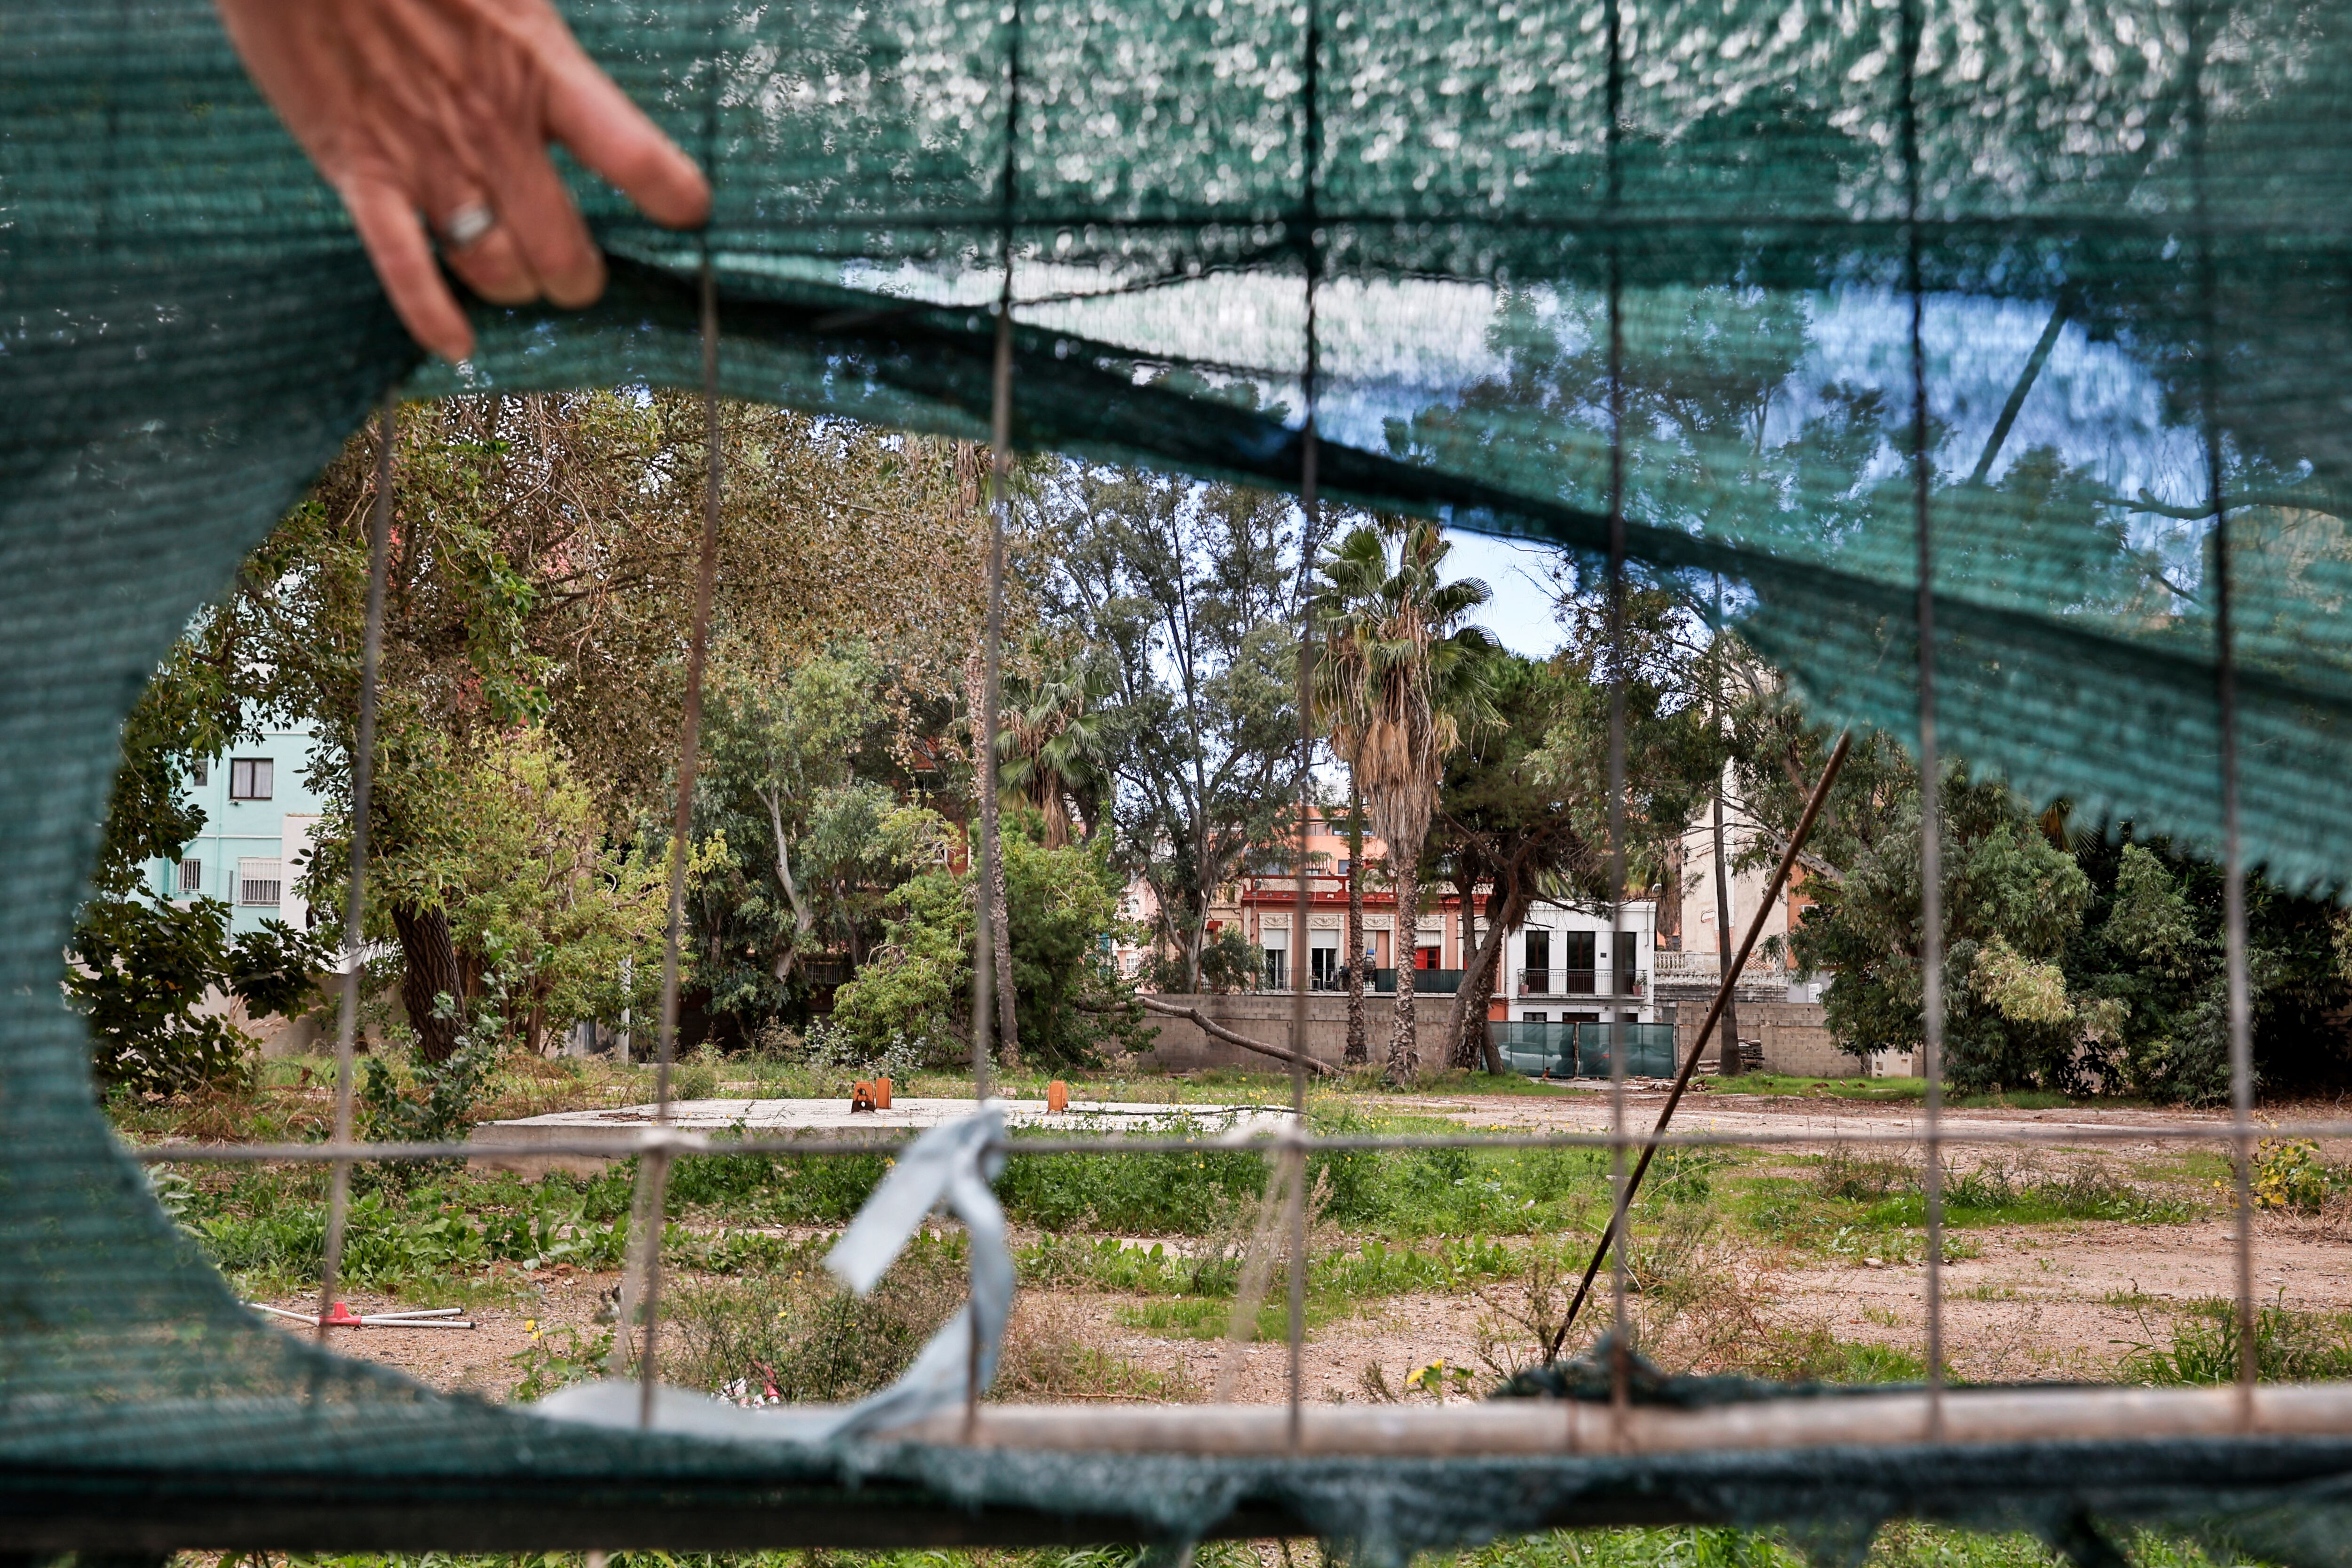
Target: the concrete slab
(834, 1119)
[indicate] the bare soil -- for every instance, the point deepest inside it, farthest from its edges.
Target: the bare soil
(2030, 1301)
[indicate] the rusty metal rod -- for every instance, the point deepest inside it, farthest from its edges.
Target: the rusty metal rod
(1715, 1010)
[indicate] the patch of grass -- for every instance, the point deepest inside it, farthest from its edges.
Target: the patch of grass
(1772, 1083)
(1198, 1318)
(267, 1229)
(803, 1334)
(2290, 1346)
(1050, 1353)
(1996, 1191)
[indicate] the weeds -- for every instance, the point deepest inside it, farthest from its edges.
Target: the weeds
(2000, 1191)
(2290, 1346)
(2289, 1175)
(1049, 1354)
(267, 1229)
(807, 1335)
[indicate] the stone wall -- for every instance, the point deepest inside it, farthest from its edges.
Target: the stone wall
(1180, 1046)
(1795, 1036)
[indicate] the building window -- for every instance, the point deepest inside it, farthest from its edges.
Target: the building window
(200, 773)
(248, 779)
(1323, 969)
(1277, 969)
(259, 882)
(192, 877)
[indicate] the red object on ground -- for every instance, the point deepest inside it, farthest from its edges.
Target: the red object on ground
(882, 1094)
(342, 1317)
(1057, 1097)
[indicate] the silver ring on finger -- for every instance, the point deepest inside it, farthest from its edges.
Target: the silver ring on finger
(468, 225)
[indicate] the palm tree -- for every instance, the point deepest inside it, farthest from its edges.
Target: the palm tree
(1050, 749)
(1399, 681)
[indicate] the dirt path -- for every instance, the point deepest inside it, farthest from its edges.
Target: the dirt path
(1588, 1111)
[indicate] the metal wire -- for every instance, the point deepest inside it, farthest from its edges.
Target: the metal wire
(985, 1000)
(2225, 693)
(338, 1175)
(1310, 516)
(646, 1204)
(1931, 831)
(1620, 1361)
(678, 1145)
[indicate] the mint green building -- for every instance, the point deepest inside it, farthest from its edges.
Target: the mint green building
(259, 813)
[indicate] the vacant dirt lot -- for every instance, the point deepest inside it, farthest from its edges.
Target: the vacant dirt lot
(2058, 1297)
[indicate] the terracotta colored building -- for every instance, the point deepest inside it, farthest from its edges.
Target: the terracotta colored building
(1560, 964)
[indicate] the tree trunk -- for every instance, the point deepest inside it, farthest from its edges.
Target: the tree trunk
(803, 917)
(1404, 1052)
(1473, 1039)
(1008, 1038)
(1360, 1050)
(984, 783)
(1727, 1043)
(430, 956)
(1461, 1047)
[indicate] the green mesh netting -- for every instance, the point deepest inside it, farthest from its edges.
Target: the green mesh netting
(2124, 227)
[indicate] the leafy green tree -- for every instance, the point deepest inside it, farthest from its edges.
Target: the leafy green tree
(780, 782)
(1051, 747)
(535, 887)
(1188, 595)
(1062, 907)
(543, 562)
(2151, 951)
(1399, 681)
(144, 968)
(2013, 901)
(1523, 812)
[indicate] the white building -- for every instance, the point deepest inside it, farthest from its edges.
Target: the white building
(1565, 966)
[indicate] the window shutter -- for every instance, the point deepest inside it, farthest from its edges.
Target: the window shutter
(259, 882)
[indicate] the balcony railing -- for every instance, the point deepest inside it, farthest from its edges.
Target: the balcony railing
(1426, 982)
(1579, 983)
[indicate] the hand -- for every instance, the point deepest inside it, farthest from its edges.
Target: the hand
(440, 113)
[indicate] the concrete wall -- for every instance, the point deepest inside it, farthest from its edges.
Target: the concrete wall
(1795, 1036)
(1180, 1046)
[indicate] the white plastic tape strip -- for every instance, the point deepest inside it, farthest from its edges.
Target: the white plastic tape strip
(954, 1163)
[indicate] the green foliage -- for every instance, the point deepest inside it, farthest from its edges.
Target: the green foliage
(2074, 963)
(799, 1336)
(521, 860)
(2013, 901)
(1062, 913)
(787, 784)
(270, 1231)
(142, 967)
(2290, 1346)
(558, 1357)
(2152, 949)
(1994, 1192)
(2290, 1174)
(1143, 1195)
(1185, 596)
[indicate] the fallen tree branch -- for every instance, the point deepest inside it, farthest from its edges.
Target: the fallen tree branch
(1217, 1031)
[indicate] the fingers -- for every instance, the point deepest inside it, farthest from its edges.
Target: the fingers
(494, 268)
(396, 244)
(610, 134)
(547, 231)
